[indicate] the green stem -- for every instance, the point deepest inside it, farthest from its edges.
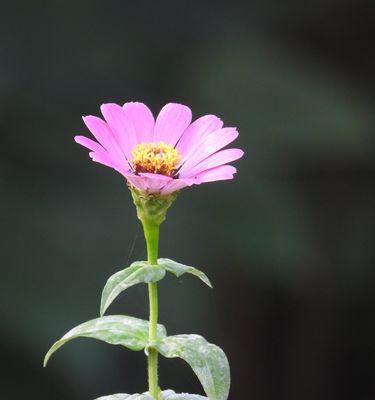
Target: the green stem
(151, 231)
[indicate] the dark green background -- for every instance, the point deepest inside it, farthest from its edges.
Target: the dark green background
(288, 244)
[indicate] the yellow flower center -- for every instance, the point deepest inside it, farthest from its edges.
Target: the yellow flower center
(157, 158)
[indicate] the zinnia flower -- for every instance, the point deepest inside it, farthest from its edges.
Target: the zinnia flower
(165, 155)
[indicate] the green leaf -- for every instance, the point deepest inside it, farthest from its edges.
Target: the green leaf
(165, 395)
(142, 272)
(171, 395)
(114, 329)
(138, 272)
(123, 396)
(180, 269)
(207, 361)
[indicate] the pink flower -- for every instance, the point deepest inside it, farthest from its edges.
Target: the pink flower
(165, 155)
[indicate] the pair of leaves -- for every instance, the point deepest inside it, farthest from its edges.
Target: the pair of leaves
(142, 272)
(165, 395)
(207, 360)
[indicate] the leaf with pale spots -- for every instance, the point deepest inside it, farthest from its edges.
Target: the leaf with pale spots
(207, 361)
(179, 269)
(121, 330)
(123, 396)
(165, 395)
(138, 272)
(171, 395)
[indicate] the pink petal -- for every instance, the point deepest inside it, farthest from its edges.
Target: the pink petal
(156, 182)
(122, 127)
(196, 132)
(217, 159)
(99, 154)
(171, 122)
(149, 183)
(211, 144)
(142, 119)
(160, 177)
(89, 144)
(177, 184)
(105, 159)
(221, 173)
(104, 136)
(140, 182)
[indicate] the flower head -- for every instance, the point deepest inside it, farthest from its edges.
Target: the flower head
(164, 155)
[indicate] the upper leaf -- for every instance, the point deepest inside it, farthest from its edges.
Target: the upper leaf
(142, 272)
(114, 329)
(180, 269)
(138, 272)
(207, 361)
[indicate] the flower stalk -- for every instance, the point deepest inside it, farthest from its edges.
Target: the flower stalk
(152, 210)
(151, 232)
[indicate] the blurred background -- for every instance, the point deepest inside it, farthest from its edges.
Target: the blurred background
(288, 244)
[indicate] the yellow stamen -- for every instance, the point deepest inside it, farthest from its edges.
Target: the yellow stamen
(157, 158)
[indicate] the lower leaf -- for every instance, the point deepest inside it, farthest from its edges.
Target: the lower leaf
(207, 361)
(171, 395)
(121, 330)
(123, 396)
(165, 395)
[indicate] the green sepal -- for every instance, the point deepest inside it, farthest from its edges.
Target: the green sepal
(208, 361)
(180, 269)
(152, 207)
(138, 272)
(164, 395)
(121, 330)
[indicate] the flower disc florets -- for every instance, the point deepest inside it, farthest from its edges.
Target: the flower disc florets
(157, 158)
